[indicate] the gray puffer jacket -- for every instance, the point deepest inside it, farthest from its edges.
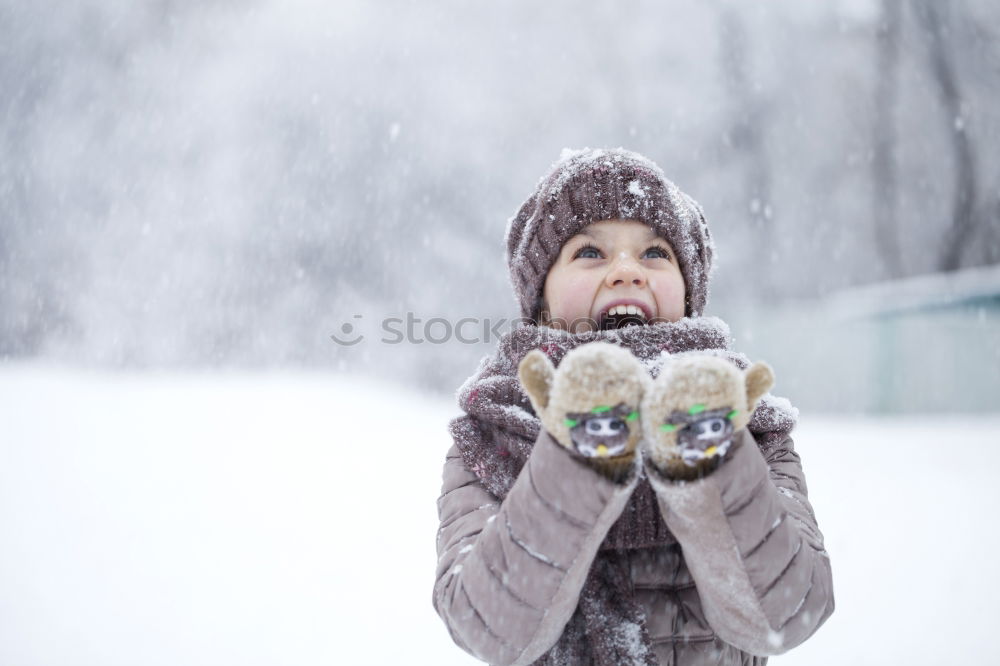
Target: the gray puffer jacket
(724, 570)
(746, 577)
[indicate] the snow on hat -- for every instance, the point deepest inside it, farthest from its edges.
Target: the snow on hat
(589, 185)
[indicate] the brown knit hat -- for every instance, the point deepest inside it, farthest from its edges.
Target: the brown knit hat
(586, 186)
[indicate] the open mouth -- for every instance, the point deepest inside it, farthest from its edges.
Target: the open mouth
(621, 316)
(691, 456)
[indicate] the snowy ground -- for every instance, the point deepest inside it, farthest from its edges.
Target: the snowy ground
(290, 519)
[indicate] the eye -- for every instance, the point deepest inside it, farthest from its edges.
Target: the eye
(710, 428)
(657, 252)
(588, 252)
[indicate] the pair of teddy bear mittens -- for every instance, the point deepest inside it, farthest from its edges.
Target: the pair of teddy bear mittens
(602, 405)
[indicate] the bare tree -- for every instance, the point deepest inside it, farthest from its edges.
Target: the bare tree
(746, 136)
(885, 193)
(942, 60)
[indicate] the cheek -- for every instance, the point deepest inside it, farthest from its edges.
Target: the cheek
(569, 295)
(669, 292)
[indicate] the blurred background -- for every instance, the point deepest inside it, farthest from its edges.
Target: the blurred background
(194, 196)
(225, 184)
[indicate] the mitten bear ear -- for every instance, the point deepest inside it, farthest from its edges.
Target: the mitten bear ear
(536, 371)
(759, 378)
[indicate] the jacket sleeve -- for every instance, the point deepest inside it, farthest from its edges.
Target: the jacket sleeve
(752, 545)
(510, 573)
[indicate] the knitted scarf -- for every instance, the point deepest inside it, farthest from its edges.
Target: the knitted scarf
(495, 438)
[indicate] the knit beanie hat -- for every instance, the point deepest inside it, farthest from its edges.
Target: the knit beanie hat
(586, 186)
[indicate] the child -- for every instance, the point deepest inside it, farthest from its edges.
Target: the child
(618, 534)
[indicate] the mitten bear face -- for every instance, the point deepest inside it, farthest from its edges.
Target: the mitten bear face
(603, 431)
(590, 404)
(694, 410)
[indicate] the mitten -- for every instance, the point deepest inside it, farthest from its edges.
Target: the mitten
(694, 410)
(590, 403)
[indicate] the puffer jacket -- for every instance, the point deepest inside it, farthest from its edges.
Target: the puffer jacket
(746, 577)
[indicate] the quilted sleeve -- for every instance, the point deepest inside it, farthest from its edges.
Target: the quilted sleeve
(509, 573)
(751, 541)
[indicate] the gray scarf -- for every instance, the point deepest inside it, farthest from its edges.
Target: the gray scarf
(496, 436)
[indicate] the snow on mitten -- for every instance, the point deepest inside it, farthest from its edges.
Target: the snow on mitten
(693, 412)
(590, 403)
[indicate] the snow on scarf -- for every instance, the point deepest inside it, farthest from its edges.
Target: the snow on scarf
(499, 429)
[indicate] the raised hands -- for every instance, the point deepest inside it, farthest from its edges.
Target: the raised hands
(602, 405)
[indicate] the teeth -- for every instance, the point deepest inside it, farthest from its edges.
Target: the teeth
(626, 310)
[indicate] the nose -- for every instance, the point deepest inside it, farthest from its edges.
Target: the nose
(625, 270)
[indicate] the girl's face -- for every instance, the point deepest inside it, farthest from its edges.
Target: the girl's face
(613, 273)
